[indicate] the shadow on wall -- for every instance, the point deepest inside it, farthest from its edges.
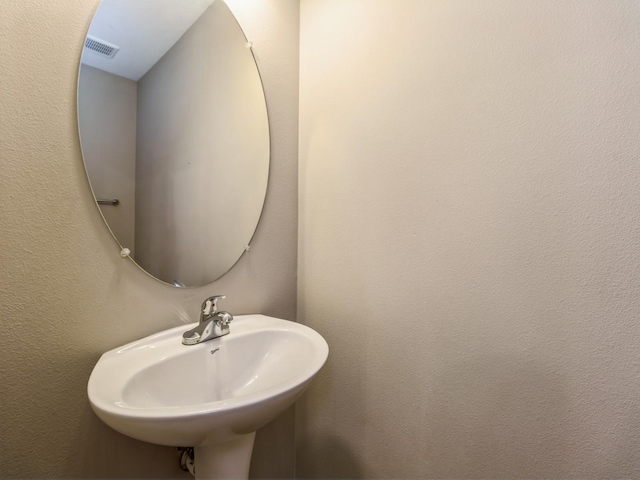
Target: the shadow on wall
(337, 462)
(273, 459)
(322, 451)
(498, 417)
(106, 453)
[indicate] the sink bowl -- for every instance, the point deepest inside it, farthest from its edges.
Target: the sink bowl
(217, 392)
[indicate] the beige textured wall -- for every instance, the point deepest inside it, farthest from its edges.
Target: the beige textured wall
(202, 153)
(66, 296)
(107, 119)
(469, 238)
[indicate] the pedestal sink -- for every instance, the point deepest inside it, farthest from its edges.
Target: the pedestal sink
(212, 396)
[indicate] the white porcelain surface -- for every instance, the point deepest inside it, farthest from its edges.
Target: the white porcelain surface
(160, 391)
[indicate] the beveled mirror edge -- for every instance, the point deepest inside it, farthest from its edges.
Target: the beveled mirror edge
(122, 248)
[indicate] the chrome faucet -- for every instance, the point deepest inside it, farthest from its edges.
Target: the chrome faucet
(213, 324)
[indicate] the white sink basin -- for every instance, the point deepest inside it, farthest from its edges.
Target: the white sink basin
(220, 391)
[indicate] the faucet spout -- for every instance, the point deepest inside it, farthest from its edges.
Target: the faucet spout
(213, 324)
(205, 331)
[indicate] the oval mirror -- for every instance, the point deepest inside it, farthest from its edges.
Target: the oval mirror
(175, 135)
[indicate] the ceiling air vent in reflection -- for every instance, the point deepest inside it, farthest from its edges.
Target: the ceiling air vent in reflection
(100, 46)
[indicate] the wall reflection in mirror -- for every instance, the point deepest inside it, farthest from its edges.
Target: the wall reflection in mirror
(173, 124)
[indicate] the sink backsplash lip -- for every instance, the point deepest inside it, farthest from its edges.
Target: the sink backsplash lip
(237, 321)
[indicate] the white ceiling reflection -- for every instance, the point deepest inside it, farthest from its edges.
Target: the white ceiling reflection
(143, 29)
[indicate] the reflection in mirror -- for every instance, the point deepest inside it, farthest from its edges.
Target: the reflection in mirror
(173, 124)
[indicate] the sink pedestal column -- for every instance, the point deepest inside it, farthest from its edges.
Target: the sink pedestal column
(226, 461)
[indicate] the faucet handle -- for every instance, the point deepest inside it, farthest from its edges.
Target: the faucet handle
(210, 305)
(224, 318)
